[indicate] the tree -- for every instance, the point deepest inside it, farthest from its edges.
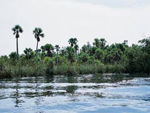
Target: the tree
(49, 48)
(57, 49)
(145, 44)
(63, 51)
(73, 41)
(84, 49)
(83, 57)
(92, 51)
(17, 29)
(29, 53)
(102, 43)
(76, 47)
(70, 51)
(96, 42)
(38, 33)
(13, 55)
(99, 54)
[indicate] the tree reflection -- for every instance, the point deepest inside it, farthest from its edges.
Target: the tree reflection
(38, 98)
(71, 89)
(17, 96)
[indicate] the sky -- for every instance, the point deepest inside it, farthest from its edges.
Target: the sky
(114, 20)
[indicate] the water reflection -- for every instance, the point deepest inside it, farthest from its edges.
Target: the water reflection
(16, 94)
(86, 91)
(17, 101)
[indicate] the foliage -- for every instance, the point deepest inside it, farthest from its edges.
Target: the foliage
(16, 30)
(70, 60)
(37, 34)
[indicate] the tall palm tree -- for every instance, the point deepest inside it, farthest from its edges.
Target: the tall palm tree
(73, 41)
(38, 33)
(17, 29)
(57, 49)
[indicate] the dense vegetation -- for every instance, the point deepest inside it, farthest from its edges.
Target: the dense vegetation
(97, 57)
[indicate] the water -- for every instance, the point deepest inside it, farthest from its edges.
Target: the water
(75, 94)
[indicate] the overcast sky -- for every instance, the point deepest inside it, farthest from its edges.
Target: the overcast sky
(114, 20)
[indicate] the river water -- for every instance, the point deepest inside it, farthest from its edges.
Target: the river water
(76, 94)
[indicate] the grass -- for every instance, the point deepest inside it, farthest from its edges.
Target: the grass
(42, 69)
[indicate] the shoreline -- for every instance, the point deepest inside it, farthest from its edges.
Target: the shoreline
(71, 69)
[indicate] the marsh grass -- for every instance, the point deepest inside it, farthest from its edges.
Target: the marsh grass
(67, 68)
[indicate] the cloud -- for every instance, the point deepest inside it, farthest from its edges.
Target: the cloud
(63, 19)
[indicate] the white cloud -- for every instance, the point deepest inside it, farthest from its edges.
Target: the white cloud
(61, 20)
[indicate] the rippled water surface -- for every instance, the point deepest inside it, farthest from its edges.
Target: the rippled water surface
(75, 94)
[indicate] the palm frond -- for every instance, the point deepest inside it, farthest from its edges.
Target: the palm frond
(42, 35)
(35, 30)
(40, 30)
(17, 27)
(20, 30)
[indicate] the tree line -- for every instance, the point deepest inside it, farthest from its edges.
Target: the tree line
(135, 58)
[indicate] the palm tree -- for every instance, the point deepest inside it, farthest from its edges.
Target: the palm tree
(99, 54)
(29, 53)
(38, 33)
(17, 29)
(96, 42)
(57, 49)
(73, 41)
(76, 47)
(84, 48)
(102, 43)
(13, 55)
(92, 50)
(63, 51)
(49, 48)
(145, 44)
(70, 51)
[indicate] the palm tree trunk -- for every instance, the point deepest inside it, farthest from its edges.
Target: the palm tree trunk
(17, 48)
(57, 58)
(36, 51)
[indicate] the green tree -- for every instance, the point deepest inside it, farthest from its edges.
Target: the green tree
(37, 34)
(76, 47)
(17, 29)
(73, 41)
(92, 51)
(84, 49)
(102, 43)
(135, 55)
(63, 51)
(145, 44)
(13, 55)
(49, 48)
(99, 54)
(70, 52)
(29, 53)
(96, 42)
(83, 57)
